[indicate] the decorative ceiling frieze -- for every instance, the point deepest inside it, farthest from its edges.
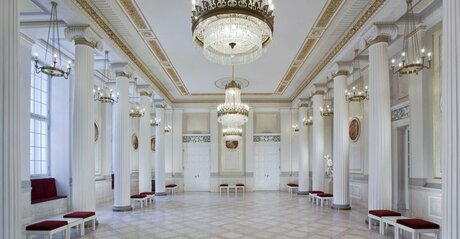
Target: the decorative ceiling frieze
(145, 31)
(92, 14)
(371, 10)
(322, 22)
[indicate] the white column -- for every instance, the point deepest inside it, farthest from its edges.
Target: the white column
(107, 138)
(318, 140)
(82, 147)
(145, 168)
(380, 191)
(10, 123)
(122, 142)
(340, 144)
(160, 152)
(450, 119)
(304, 165)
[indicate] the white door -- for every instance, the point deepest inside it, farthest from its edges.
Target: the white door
(266, 166)
(197, 166)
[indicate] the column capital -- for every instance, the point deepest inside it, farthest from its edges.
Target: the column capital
(83, 35)
(122, 70)
(304, 102)
(379, 33)
(160, 105)
(342, 68)
(145, 93)
(319, 89)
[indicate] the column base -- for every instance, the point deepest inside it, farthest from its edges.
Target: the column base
(160, 194)
(302, 193)
(341, 207)
(122, 208)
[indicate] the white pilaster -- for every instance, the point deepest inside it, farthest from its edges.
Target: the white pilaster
(122, 141)
(304, 165)
(340, 144)
(450, 119)
(160, 153)
(380, 191)
(82, 146)
(318, 140)
(10, 122)
(145, 168)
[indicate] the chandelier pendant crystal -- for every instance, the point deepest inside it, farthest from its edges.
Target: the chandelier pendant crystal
(248, 24)
(233, 112)
(413, 57)
(54, 45)
(326, 111)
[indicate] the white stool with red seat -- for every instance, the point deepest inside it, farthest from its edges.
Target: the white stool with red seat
(292, 187)
(86, 216)
(48, 228)
(312, 194)
(378, 214)
(416, 227)
(141, 199)
(150, 196)
(171, 187)
(321, 198)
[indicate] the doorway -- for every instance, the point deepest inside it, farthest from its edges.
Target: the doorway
(197, 166)
(266, 166)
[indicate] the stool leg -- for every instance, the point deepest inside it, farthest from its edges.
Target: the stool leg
(81, 226)
(397, 232)
(94, 224)
(370, 222)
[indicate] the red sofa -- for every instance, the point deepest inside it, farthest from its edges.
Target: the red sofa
(44, 189)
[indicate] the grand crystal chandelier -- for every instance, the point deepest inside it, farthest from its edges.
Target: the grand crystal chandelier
(53, 49)
(232, 32)
(414, 58)
(232, 113)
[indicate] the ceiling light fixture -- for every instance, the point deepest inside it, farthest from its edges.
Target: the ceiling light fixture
(53, 42)
(136, 111)
(233, 112)
(413, 57)
(308, 121)
(326, 111)
(232, 32)
(357, 95)
(106, 94)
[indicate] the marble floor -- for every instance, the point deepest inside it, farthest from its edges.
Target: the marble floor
(254, 215)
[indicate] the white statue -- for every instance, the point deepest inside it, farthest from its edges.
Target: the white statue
(329, 169)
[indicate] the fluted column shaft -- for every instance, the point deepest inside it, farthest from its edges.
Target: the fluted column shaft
(83, 148)
(450, 119)
(304, 166)
(379, 128)
(160, 153)
(145, 167)
(341, 161)
(10, 161)
(107, 138)
(121, 162)
(318, 143)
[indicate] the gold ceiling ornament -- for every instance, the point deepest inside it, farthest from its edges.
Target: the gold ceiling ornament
(233, 112)
(232, 32)
(413, 57)
(106, 94)
(53, 44)
(357, 95)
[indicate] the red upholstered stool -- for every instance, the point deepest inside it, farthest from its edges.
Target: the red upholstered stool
(223, 186)
(378, 214)
(141, 199)
(239, 186)
(416, 227)
(48, 227)
(171, 187)
(87, 216)
(323, 197)
(292, 187)
(149, 195)
(312, 194)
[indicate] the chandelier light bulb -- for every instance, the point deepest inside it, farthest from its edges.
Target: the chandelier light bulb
(422, 50)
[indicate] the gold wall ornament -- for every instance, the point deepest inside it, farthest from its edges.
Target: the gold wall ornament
(152, 143)
(354, 129)
(135, 141)
(96, 132)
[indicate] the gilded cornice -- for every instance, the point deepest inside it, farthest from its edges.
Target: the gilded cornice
(88, 9)
(376, 4)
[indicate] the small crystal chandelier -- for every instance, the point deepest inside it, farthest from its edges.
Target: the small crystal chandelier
(308, 121)
(327, 111)
(232, 112)
(356, 95)
(136, 111)
(155, 122)
(218, 24)
(232, 133)
(413, 58)
(54, 43)
(168, 128)
(106, 94)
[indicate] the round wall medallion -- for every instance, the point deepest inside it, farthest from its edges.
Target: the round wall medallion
(221, 83)
(152, 143)
(135, 141)
(231, 144)
(96, 132)
(354, 129)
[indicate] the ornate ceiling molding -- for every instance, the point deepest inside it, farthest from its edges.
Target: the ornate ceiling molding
(145, 31)
(315, 34)
(92, 14)
(376, 4)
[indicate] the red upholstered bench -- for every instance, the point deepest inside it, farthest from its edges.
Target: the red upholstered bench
(378, 214)
(150, 196)
(416, 227)
(44, 189)
(141, 199)
(292, 187)
(48, 227)
(323, 197)
(87, 216)
(311, 195)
